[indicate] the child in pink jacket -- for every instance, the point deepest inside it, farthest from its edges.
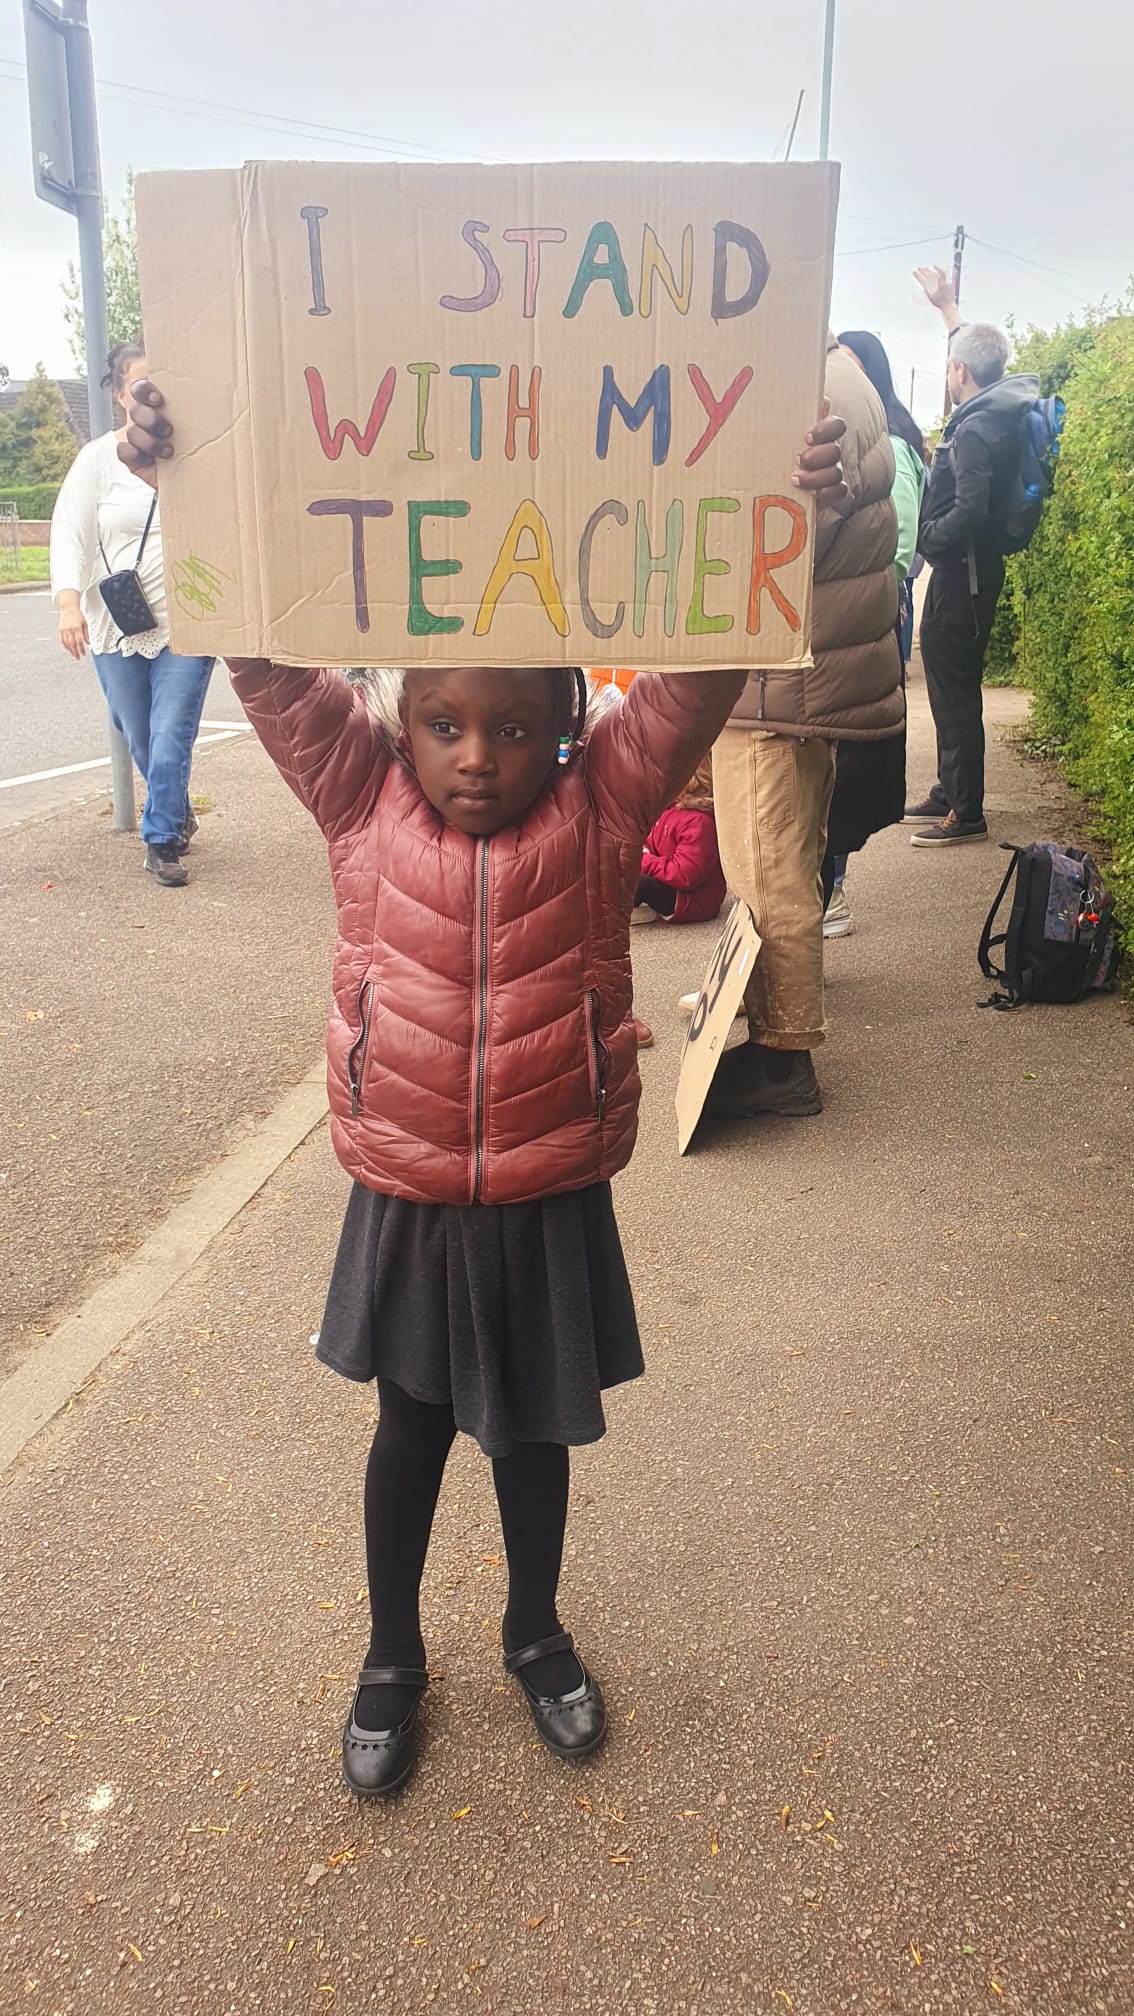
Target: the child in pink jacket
(682, 879)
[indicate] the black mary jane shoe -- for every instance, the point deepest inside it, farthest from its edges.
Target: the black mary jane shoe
(570, 1725)
(377, 1762)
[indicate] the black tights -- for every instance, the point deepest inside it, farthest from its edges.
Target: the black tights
(403, 1479)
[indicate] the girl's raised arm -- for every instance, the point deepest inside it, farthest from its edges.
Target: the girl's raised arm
(316, 729)
(319, 734)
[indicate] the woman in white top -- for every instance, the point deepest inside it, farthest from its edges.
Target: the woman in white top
(155, 696)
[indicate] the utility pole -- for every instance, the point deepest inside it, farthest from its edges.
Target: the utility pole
(958, 256)
(65, 167)
(828, 69)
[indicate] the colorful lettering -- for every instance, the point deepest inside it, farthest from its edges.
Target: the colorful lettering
(655, 398)
(539, 567)
(612, 269)
(764, 563)
(655, 261)
(746, 241)
(530, 412)
(358, 510)
(313, 214)
(533, 236)
(474, 373)
(423, 373)
(472, 232)
(423, 622)
(333, 444)
(697, 623)
(718, 410)
(647, 564)
(611, 509)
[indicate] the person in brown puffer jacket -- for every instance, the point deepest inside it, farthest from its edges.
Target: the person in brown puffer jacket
(774, 764)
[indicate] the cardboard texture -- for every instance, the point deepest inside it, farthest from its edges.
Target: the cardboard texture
(710, 1024)
(509, 416)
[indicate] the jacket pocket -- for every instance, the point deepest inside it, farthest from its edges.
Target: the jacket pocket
(598, 1056)
(356, 1056)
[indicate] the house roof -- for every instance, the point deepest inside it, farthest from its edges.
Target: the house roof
(74, 392)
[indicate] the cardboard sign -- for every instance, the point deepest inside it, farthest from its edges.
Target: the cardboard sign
(503, 416)
(722, 991)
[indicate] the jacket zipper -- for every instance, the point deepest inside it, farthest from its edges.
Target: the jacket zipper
(481, 1043)
(356, 1061)
(599, 1054)
(763, 692)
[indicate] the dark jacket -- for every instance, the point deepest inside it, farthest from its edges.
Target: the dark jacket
(853, 690)
(971, 478)
(481, 1047)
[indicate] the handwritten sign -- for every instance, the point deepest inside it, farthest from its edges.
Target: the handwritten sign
(722, 991)
(508, 416)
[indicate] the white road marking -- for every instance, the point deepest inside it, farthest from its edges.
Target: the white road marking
(226, 734)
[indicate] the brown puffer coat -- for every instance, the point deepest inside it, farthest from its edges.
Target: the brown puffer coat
(480, 1047)
(853, 692)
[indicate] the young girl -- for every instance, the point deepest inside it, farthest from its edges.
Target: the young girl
(682, 878)
(484, 1090)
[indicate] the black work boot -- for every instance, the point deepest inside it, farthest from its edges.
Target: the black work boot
(164, 863)
(751, 1080)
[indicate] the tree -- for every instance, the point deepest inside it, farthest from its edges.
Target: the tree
(120, 267)
(36, 444)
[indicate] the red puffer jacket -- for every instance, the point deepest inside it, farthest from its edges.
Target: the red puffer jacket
(682, 852)
(480, 1048)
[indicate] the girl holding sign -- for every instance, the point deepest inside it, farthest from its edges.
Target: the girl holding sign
(484, 1089)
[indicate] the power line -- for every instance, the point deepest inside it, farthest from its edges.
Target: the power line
(244, 115)
(901, 245)
(1055, 272)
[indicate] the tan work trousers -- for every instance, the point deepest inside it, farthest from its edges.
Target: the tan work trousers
(772, 795)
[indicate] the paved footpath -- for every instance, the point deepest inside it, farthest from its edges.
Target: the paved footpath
(854, 1565)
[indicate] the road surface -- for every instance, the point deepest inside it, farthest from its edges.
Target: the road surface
(53, 717)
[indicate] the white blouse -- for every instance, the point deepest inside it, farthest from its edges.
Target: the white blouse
(102, 500)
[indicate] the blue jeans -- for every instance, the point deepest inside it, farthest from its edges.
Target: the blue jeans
(157, 704)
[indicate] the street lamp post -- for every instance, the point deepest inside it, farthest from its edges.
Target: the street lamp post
(61, 102)
(828, 66)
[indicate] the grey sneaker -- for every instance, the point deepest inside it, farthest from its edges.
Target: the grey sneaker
(950, 832)
(838, 922)
(164, 863)
(933, 807)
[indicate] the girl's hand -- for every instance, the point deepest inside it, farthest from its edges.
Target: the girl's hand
(820, 467)
(149, 435)
(73, 633)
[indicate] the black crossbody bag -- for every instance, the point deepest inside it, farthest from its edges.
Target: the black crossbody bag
(123, 593)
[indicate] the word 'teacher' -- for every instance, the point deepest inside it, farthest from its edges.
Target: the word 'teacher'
(506, 416)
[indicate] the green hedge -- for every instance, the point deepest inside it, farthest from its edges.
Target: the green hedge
(1070, 599)
(32, 500)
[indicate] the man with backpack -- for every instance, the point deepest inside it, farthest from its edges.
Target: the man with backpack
(986, 488)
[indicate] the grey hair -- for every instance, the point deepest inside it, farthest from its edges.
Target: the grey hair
(983, 350)
(382, 687)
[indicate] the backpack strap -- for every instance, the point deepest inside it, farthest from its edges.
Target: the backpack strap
(987, 941)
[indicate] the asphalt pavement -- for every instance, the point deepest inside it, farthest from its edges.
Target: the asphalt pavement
(53, 723)
(853, 1564)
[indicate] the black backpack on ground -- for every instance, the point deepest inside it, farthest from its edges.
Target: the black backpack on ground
(1060, 943)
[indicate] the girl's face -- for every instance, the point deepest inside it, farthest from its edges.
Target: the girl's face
(135, 371)
(483, 742)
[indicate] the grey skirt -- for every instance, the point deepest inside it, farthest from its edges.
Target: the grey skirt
(517, 1315)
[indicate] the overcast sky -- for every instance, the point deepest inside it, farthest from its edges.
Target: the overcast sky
(1011, 119)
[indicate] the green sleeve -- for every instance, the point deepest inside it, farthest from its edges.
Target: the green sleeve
(909, 483)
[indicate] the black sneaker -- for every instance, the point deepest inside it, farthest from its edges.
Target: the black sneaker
(950, 832)
(164, 863)
(185, 837)
(936, 806)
